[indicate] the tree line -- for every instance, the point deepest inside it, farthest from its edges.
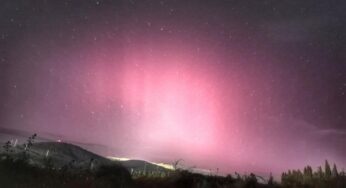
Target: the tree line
(327, 177)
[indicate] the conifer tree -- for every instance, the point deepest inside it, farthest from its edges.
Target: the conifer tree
(335, 171)
(7, 146)
(327, 170)
(308, 175)
(319, 172)
(271, 179)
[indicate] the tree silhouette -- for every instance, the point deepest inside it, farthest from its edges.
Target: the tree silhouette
(7, 147)
(327, 170)
(271, 179)
(335, 171)
(319, 172)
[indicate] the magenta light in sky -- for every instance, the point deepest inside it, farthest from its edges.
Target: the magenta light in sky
(175, 106)
(172, 98)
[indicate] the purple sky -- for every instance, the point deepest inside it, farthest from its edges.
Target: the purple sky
(236, 85)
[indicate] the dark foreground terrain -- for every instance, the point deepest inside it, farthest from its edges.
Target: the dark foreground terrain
(19, 173)
(65, 165)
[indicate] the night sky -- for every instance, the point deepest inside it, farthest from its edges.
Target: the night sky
(237, 85)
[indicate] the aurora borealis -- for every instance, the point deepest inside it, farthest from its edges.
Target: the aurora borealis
(235, 85)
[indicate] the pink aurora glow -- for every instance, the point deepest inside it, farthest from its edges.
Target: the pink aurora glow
(173, 100)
